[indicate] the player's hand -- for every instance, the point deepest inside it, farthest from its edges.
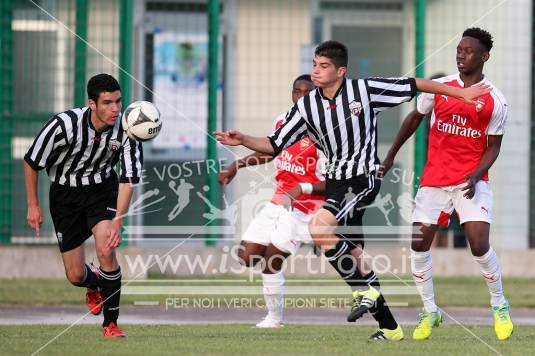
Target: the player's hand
(114, 234)
(385, 167)
(291, 196)
(471, 185)
(226, 175)
(470, 94)
(229, 138)
(35, 218)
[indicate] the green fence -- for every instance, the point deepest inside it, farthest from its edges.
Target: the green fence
(230, 64)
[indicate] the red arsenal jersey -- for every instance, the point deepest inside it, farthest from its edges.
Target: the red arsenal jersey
(299, 163)
(458, 132)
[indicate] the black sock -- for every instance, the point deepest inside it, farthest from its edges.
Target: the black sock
(382, 314)
(345, 264)
(380, 311)
(90, 279)
(110, 289)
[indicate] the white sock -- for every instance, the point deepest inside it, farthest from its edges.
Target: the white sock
(274, 294)
(422, 273)
(490, 269)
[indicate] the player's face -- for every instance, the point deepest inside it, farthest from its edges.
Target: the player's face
(324, 72)
(300, 89)
(471, 56)
(108, 107)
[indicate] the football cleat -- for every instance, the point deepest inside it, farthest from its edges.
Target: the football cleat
(269, 323)
(388, 335)
(427, 322)
(93, 299)
(362, 302)
(503, 325)
(112, 330)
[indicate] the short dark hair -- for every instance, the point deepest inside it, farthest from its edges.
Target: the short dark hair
(484, 37)
(335, 51)
(101, 83)
(305, 77)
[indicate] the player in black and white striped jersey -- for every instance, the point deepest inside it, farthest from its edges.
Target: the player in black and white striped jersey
(79, 148)
(340, 117)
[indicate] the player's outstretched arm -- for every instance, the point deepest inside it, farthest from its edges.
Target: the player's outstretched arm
(487, 160)
(123, 202)
(35, 214)
(408, 127)
(226, 175)
(468, 95)
(236, 138)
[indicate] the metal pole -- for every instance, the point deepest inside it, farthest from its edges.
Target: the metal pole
(125, 51)
(213, 67)
(6, 123)
(80, 52)
(420, 141)
(125, 62)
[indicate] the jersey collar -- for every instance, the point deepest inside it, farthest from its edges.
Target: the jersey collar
(87, 119)
(342, 86)
(461, 83)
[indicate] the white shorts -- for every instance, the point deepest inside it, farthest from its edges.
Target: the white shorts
(276, 225)
(434, 205)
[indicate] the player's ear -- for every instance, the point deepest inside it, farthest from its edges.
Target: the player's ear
(92, 105)
(486, 56)
(342, 71)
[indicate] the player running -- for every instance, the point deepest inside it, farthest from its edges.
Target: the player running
(275, 233)
(340, 117)
(79, 148)
(464, 142)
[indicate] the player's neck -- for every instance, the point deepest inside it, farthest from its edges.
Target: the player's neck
(330, 91)
(98, 124)
(471, 79)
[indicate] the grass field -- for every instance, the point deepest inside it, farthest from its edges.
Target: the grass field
(245, 340)
(450, 292)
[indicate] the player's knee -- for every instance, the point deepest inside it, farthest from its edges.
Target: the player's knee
(75, 276)
(479, 248)
(313, 231)
(248, 260)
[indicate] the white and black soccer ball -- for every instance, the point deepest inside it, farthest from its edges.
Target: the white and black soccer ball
(141, 121)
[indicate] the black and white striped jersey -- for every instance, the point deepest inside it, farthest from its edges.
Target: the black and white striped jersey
(344, 128)
(75, 154)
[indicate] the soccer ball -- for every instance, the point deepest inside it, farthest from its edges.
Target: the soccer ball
(141, 121)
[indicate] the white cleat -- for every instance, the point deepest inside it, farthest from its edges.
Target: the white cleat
(269, 323)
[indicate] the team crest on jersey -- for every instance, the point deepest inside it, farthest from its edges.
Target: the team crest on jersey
(355, 107)
(114, 145)
(480, 104)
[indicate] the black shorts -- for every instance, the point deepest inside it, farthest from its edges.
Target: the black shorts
(76, 210)
(347, 200)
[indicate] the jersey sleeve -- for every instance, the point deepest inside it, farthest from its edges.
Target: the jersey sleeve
(292, 130)
(386, 93)
(51, 138)
(131, 162)
(498, 118)
(425, 103)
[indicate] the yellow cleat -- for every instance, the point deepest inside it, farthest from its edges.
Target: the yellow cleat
(362, 302)
(427, 322)
(503, 325)
(388, 335)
